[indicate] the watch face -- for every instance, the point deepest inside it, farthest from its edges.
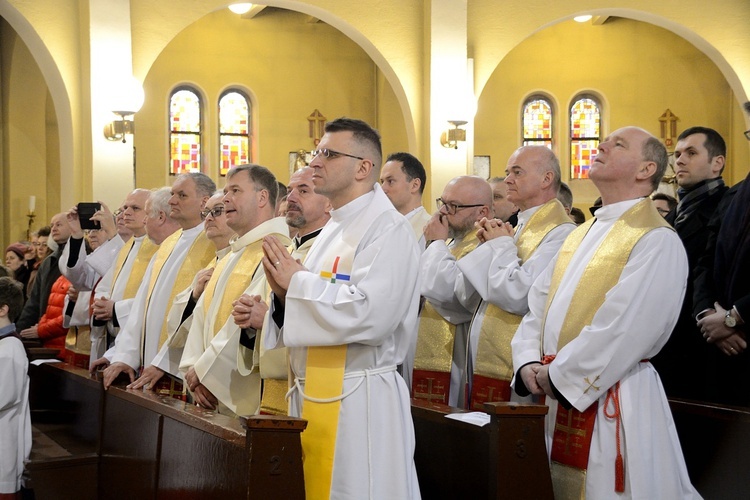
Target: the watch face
(730, 321)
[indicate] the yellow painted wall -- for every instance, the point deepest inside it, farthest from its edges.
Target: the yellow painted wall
(638, 69)
(290, 67)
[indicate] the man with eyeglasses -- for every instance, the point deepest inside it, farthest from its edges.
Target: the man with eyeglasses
(220, 359)
(348, 317)
(699, 160)
(403, 180)
(503, 268)
(307, 213)
(172, 268)
(438, 374)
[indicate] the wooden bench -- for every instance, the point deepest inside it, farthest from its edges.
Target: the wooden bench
(135, 444)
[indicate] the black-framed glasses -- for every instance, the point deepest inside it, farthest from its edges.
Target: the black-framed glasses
(213, 212)
(747, 135)
(452, 208)
(330, 153)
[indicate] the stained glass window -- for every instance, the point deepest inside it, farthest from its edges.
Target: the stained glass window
(537, 122)
(234, 130)
(585, 127)
(184, 131)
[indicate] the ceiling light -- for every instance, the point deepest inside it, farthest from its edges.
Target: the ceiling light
(578, 19)
(240, 8)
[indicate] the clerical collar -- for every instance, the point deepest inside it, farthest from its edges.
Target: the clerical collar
(221, 253)
(301, 240)
(615, 210)
(524, 215)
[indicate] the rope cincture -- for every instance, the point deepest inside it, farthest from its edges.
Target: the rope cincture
(364, 376)
(613, 396)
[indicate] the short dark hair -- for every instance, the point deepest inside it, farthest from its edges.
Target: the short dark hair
(362, 133)
(43, 231)
(282, 191)
(577, 215)
(653, 150)
(671, 201)
(11, 295)
(261, 177)
(714, 142)
(411, 166)
(565, 195)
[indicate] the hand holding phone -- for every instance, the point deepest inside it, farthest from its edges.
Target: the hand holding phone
(85, 212)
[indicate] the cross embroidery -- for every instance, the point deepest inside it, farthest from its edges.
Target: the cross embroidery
(591, 384)
(571, 433)
(333, 274)
(426, 388)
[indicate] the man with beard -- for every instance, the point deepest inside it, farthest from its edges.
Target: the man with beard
(307, 213)
(439, 375)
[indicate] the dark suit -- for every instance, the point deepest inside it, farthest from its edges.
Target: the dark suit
(722, 276)
(681, 362)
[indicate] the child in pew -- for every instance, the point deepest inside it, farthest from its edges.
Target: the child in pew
(15, 420)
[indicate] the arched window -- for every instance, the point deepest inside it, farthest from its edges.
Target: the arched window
(537, 122)
(234, 130)
(585, 130)
(184, 131)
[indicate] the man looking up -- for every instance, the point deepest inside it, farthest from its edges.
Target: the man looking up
(403, 179)
(439, 375)
(308, 213)
(598, 313)
(347, 327)
(686, 363)
(215, 343)
(172, 268)
(503, 268)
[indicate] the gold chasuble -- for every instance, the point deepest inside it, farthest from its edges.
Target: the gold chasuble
(493, 369)
(147, 249)
(198, 256)
(573, 429)
(431, 378)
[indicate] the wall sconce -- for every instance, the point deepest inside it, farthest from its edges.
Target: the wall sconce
(240, 8)
(126, 100)
(116, 130)
(451, 137)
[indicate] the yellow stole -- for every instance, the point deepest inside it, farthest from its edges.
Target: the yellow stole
(324, 379)
(147, 249)
(434, 351)
(494, 363)
(242, 275)
(198, 256)
(573, 429)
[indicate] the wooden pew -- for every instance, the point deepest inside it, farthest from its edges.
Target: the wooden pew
(714, 440)
(505, 459)
(140, 445)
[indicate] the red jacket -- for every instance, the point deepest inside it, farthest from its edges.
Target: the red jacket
(50, 328)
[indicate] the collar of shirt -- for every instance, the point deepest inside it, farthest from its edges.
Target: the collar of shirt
(299, 241)
(614, 210)
(11, 328)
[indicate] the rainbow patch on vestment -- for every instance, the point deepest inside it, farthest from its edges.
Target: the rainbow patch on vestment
(333, 274)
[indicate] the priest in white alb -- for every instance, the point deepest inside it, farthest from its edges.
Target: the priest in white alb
(605, 305)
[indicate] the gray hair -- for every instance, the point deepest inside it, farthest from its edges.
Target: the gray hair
(159, 201)
(204, 186)
(654, 150)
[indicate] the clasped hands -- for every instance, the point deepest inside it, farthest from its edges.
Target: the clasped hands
(536, 378)
(489, 229)
(279, 265)
(728, 340)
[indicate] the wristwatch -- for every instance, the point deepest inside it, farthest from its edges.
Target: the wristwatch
(729, 320)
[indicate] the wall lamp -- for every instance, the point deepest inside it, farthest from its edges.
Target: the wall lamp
(125, 101)
(451, 137)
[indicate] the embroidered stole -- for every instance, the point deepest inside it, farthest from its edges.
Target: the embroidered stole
(431, 378)
(200, 254)
(493, 369)
(573, 429)
(147, 249)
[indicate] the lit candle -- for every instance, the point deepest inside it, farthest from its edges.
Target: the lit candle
(32, 203)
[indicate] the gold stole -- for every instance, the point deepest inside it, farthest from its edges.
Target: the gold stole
(242, 275)
(143, 257)
(324, 378)
(494, 363)
(434, 352)
(200, 254)
(573, 429)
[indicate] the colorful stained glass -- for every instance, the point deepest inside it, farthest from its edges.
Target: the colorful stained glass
(234, 131)
(185, 132)
(537, 123)
(585, 126)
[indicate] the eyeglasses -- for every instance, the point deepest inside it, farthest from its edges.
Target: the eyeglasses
(213, 212)
(118, 212)
(330, 153)
(747, 135)
(452, 208)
